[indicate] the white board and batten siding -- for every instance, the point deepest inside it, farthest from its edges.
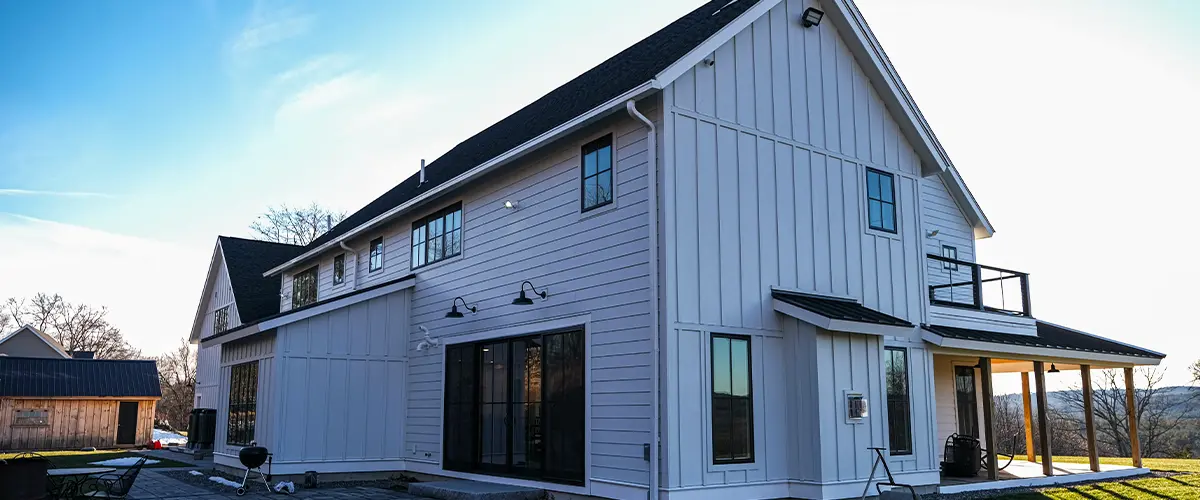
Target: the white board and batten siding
(341, 391)
(259, 348)
(765, 186)
(208, 359)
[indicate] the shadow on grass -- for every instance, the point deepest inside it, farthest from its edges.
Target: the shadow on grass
(1102, 487)
(1147, 491)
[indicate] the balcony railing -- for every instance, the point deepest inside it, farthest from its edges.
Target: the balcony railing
(958, 283)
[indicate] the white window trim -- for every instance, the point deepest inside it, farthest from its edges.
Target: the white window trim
(578, 166)
(863, 203)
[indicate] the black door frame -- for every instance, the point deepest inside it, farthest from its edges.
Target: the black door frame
(974, 405)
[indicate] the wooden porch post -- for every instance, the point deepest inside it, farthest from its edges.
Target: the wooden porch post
(1026, 399)
(1039, 379)
(989, 434)
(1088, 423)
(1131, 411)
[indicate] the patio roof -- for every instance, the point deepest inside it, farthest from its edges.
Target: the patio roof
(1052, 341)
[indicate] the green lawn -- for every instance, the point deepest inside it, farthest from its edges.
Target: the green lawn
(72, 459)
(1183, 486)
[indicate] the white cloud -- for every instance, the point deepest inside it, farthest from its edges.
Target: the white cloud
(150, 287)
(268, 26)
(323, 94)
(315, 66)
(65, 194)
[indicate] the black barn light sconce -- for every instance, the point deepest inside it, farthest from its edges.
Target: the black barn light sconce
(454, 312)
(811, 17)
(1053, 369)
(526, 301)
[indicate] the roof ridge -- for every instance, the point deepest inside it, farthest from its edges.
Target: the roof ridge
(253, 240)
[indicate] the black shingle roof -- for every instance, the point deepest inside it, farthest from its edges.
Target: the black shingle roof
(621, 73)
(246, 260)
(49, 377)
(838, 308)
(1049, 336)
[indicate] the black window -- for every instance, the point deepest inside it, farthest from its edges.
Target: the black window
(304, 287)
(964, 394)
(732, 400)
(950, 253)
(898, 404)
(437, 237)
(243, 403)
(376, 255)
(221, 319)
(881, 201)
(339, 269)
(597, 173)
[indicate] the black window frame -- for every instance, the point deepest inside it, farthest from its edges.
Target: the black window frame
(899, 443)
(950, 252)
(872, 200)
(243, 404)
(732, 459)
(376, 257)
(966, 401)
(221, 320)
(304, 287)
(339, 268)
(595, 147)
(424, 243)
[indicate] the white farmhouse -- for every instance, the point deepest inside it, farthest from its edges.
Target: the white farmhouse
(725, 263)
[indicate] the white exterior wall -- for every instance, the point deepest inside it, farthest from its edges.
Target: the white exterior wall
(261, 348)
(341, 391)
(208, 358)
(947, 400)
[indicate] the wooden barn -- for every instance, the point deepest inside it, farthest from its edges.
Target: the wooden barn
(64, 403)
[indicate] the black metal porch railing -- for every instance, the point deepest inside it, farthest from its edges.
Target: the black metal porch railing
(959, 283)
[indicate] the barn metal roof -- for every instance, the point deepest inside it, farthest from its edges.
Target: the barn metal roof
(49, 378)
(838, 308)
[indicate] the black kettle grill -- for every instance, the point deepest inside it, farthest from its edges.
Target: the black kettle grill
(253, 457)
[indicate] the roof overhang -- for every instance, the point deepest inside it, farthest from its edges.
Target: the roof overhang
(210, 280)
(303, 313)
(837, 323)
(996, 349)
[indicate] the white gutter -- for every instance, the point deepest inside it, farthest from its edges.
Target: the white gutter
(652, 202)
(484, 168)
(342, 243)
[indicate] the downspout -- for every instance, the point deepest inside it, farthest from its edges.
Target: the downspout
(652, 199)
(353, 284)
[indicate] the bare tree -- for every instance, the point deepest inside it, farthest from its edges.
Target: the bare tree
(177, 377)
(295, 225)
(78, 327)
(1008, 421)
(1158, 413)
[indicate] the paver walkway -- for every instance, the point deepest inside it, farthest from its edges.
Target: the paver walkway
(153, 484)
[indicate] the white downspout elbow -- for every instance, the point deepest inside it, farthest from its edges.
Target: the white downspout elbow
(652, 203)
(354, 282)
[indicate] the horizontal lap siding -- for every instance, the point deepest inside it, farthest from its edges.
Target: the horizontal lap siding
(593, 263)
(940, 212)
(342, 383)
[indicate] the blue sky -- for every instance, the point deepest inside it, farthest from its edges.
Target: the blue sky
(132, 133)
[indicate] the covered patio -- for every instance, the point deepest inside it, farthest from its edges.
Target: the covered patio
(965, 364)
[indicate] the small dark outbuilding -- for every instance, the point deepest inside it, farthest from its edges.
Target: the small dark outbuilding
(49, 404)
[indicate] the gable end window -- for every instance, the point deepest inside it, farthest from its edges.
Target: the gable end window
(339, 269)
(732, 401)
(899, 406)
(243, 403)
(881, 200)
(597, 173)
(437, 237)
(376, 255)
(221, 319)
(304, 287)
(949, 252)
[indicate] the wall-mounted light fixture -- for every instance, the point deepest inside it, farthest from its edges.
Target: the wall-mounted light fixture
(811, 17)
(931, 234)
(512, 204)
(526, 301)
(454, 313)
(1053, 369)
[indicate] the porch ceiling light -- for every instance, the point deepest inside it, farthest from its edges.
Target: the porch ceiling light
(1053, 369)
(454, 313)
(811, 17)
(526, 301)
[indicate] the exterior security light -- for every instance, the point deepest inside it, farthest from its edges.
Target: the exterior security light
(811, 17)
(454, 308)
(1053, 369)
(526, 301)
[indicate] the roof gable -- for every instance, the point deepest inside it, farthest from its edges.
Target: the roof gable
(31, 332)
(244, 261)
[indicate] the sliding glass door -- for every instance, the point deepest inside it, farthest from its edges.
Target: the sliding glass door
(516, 407)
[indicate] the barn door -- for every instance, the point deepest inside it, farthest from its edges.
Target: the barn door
(127, 422)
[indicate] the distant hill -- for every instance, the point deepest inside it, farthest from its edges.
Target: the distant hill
(1056, 398)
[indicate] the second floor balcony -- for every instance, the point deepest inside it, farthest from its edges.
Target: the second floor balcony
(964, 284)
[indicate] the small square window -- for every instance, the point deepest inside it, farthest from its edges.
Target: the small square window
(339, 269)
(881, 201)
(949, 252)
(596, 160)
(376, 255)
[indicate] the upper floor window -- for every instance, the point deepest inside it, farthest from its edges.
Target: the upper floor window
(949, 252)
(304, 287)
(221, 319)
(899, 408)
(597, 173)
(376, 255)
(881, 200)
(339, 269)
(732, 400)
(437, 236)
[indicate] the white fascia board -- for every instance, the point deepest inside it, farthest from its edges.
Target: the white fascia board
(511, 155)
(332, 305)
(206, 293)
(838, 325)
(723, 35)
(1081, 357)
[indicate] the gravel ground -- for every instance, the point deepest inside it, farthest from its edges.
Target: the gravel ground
(999, 493)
